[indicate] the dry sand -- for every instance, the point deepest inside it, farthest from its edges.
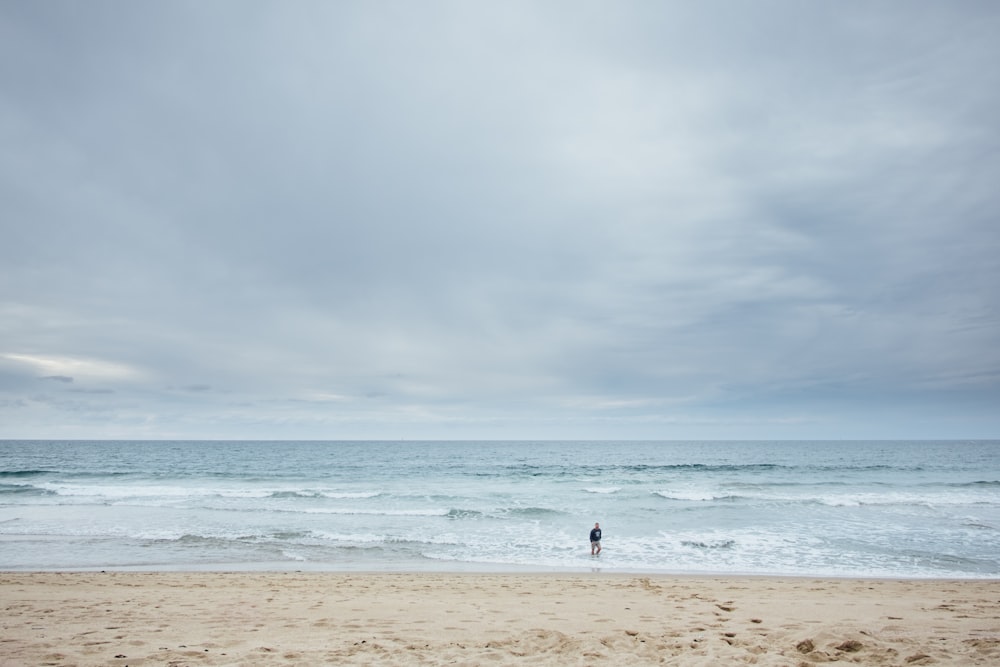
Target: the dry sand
(491, 619)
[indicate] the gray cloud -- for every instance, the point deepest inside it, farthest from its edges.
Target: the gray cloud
(521, 220)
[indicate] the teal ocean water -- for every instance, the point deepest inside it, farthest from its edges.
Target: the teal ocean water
(886, 509)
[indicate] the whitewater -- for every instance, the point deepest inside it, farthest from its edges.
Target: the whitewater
(922, 509)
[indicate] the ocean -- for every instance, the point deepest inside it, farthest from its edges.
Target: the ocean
(911, 509)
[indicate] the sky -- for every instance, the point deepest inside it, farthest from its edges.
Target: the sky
(499, 220)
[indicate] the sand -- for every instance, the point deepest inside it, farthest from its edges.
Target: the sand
(198, 618)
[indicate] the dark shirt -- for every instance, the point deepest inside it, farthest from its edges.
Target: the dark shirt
(595, 535)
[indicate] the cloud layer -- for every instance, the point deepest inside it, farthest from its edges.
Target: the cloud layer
(499, 220)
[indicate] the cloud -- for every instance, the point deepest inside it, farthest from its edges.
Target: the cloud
(60, 367)
(519, 219)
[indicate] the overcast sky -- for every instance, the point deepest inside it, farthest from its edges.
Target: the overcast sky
(499, 219)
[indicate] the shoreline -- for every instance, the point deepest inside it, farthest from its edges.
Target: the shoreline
(443, 567)
(476, 570)
(472, 617)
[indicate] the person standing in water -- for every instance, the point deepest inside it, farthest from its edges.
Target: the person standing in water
(595, 540)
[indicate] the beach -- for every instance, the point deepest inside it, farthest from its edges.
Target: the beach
(398, 618)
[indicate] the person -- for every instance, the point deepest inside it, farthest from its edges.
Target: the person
(595, 540)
